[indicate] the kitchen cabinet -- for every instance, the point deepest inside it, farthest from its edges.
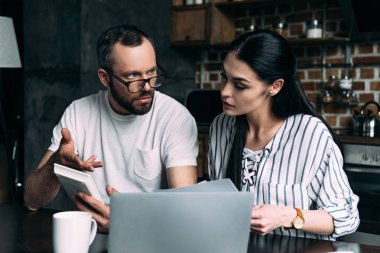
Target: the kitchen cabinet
(213, 24)
(201, 24)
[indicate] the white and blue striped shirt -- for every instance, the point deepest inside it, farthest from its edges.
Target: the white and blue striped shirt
(301, 167)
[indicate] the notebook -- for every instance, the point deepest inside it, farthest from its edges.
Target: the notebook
(193, 221)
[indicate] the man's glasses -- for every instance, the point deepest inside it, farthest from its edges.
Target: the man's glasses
(138, 85)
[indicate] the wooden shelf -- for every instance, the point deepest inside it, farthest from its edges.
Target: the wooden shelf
(359, 140)
(246, 3)
(338, 103)
(319, 41)
(216, 24)
(257, 3)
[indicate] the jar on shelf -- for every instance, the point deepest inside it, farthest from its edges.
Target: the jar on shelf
(314, 29)
(345, 83)
(346, 96)
(281, 28)
(332, 83)
(327, 96)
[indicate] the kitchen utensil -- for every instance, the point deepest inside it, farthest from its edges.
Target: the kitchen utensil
(371, 121)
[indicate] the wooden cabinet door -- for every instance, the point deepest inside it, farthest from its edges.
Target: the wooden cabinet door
(190, 25)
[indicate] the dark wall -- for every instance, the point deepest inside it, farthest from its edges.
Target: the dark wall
(60, 60)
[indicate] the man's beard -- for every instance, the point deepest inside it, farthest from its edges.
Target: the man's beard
(128, 104)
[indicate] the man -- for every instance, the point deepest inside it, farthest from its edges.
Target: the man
(142, 139)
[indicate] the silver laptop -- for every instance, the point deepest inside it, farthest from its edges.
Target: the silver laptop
(180, 221)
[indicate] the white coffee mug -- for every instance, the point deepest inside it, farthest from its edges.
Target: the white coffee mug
(73, 231)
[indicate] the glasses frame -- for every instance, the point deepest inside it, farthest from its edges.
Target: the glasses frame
(146, 80)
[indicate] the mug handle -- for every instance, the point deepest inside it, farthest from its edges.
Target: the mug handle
(94, 228)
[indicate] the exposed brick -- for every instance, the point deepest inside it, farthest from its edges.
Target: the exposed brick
(352, 73)
(314, 74)
(318, 14)
(332, 51)
(207, 86)
(375, 86)
(309, 61)
(333, 14)
(331, 120)
(356, 85)
(299, 6)
(301, 74)
(367, 59)
(343, 26)
(242, 13)
(365, 48)
(337, 60)
(333, 3)
(197, 77)
(300, 17)
(212, 66)
(367, 73)
(334, 109)
(245, 23)
(299, 51)
(254, 12)
(312, 97)
(332, 72)
(223, 55)
(284, 8)
(214, 77)
(212, 56)
(308, 86)
(270, 10)
(345, 121)
(313, 51)
(365, 97)
(331, 26)
(314, 6)
(318, 86)
(296, 29)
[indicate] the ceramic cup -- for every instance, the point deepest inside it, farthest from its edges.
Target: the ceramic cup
(73, 231)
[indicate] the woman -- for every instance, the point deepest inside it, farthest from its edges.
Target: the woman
(271, 141)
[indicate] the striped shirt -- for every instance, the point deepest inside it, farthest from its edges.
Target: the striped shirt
(301, 167)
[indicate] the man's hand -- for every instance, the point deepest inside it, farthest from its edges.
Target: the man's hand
(99, 211)
(65, 154)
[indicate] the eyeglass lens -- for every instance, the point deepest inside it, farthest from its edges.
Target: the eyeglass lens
(138, 85)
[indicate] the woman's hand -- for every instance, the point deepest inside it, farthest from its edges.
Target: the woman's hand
(266, 218)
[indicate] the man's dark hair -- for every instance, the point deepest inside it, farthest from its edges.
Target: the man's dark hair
(127, 35)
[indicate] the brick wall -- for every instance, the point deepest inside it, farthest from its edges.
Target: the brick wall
(316, 62)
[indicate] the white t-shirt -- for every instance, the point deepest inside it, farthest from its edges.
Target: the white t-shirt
(136, 150)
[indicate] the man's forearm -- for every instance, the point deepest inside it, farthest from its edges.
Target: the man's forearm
(42, 184)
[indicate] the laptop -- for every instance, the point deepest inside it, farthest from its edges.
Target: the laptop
(183, 221)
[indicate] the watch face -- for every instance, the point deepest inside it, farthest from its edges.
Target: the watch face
(298, 222)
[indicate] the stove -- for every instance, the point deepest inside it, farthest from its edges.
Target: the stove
(362, 165)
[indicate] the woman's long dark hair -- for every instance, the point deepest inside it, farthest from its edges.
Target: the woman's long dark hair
(271, 57)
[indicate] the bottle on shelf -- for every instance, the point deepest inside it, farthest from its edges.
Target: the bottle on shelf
(314, 29)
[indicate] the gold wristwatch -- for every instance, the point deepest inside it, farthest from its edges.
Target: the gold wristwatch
(299, 220)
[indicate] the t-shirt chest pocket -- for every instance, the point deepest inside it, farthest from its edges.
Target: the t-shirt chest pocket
(147, 163)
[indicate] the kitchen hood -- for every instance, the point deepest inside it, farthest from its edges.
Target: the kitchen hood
(361, 18)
